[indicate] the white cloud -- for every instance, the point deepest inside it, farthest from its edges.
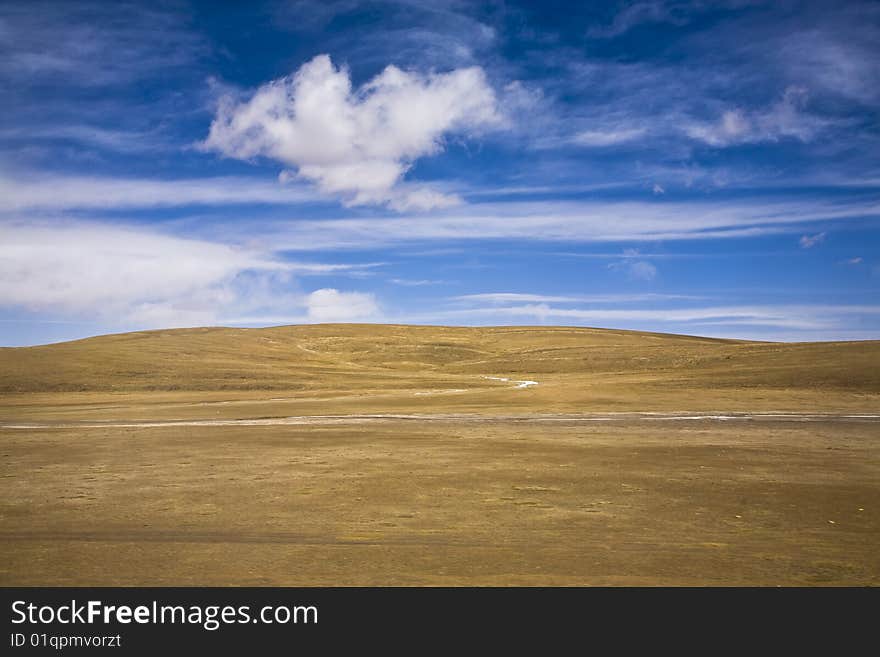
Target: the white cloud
(600, 138)
(587, 221)
(639, 13)
(124, 141)
(356, 143)
(643, 271)
(809, 241)
(82, 43)
(92, 268)
(840, 59)
(500, 298)
(415, 282)
(801, 317)
(126, 276)
(329, 305)
(47, 192)
(731, 128)
(508, 297)
(855, 261)
(785, 118)
(319, 268)
(637, 269)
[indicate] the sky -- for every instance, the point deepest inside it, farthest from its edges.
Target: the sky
(683, 166)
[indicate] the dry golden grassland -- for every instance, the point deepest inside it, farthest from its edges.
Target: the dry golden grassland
(363, 454)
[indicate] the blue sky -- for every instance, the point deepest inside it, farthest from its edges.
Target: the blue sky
(697, 167)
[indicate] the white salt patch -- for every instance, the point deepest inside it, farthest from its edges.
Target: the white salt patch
(519, 384)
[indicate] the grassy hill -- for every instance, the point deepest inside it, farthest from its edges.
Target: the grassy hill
(575, 367)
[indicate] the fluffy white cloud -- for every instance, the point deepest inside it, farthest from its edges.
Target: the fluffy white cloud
(356, 143)
(329, 305)
(785, 118)
(124, 276)
(102, 269)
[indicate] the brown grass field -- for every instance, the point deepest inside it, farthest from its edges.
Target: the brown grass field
(399, 455)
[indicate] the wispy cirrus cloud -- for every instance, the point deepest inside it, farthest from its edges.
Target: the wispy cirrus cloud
(670, 12)
(430, 35)
(76, 75)
(793, 81)
(516, 297)
(809, 241)
(805, 317)
(415, 282)
(95, 43)
(118, 140)
(500, 298)
(591, 221)
(609, 137)
(635, 266)
(66, 192)
(640, 13)
(785, 118)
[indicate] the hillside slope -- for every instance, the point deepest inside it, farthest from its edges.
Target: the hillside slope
(574, 367)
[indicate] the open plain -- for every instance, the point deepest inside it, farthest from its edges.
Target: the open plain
(413, 455)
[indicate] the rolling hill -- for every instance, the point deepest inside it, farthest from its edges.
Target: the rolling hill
(354, 368)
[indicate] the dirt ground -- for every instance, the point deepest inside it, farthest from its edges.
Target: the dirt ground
(444, 501)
